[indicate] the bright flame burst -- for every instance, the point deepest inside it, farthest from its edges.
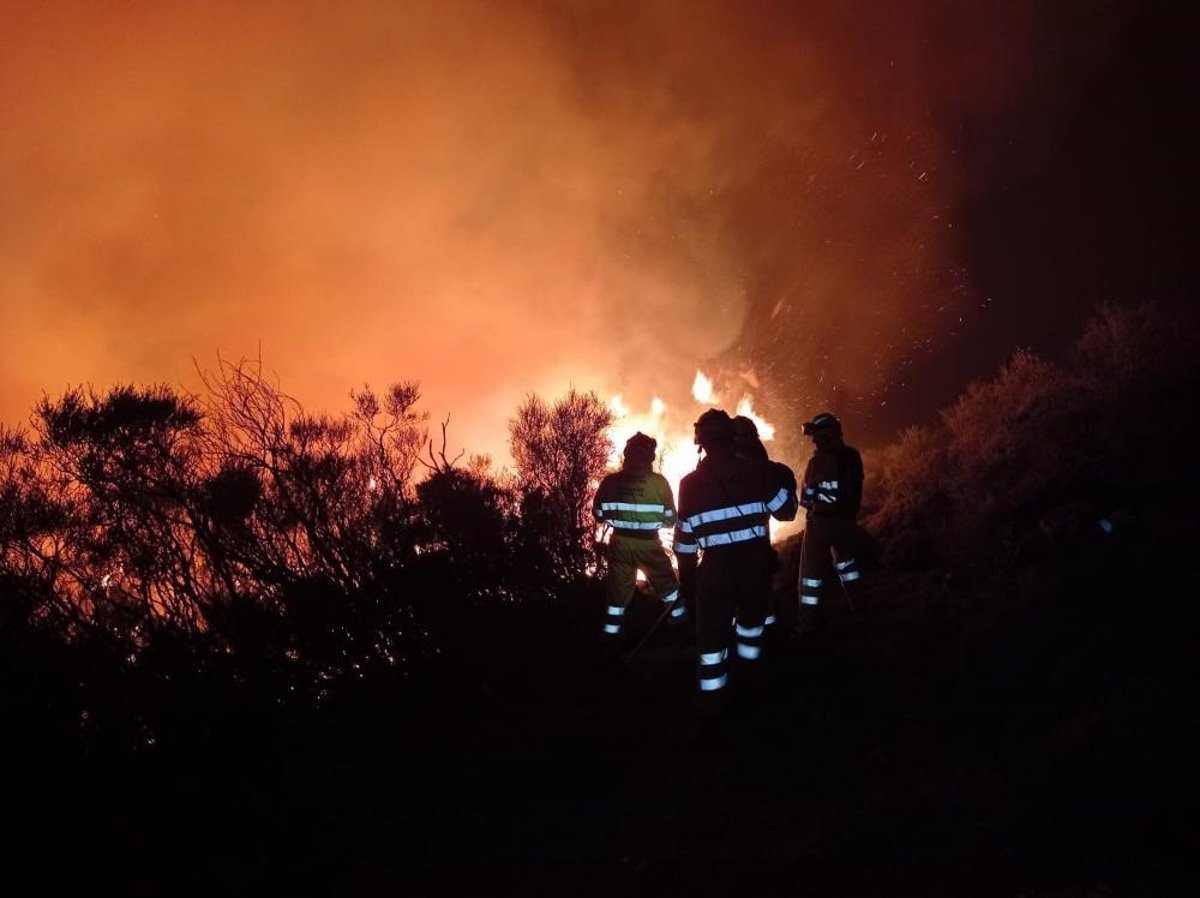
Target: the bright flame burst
(677, 451)
(702, 390)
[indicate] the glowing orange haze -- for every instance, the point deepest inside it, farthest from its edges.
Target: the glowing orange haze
(486, 198)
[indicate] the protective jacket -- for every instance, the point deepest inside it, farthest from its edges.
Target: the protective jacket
(748, 445)
(636, 502)
(724, 507)
(832, 495)
(833, 482)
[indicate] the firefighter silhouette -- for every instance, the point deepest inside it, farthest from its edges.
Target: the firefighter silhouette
(722, 545)
(636, 502)
(747, 444)
(831, 493)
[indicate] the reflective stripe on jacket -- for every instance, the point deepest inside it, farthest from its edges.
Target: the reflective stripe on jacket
(729, 500)
(833, 482)
(635, 503)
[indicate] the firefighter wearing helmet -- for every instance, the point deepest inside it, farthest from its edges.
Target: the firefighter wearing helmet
(636, 502)
(831, 495)
(722, 544)
(747, 444)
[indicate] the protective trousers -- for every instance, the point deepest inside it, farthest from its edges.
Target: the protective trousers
(830, 546)
(626, 556)
(732, 585)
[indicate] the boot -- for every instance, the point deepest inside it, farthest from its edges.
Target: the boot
(682, 635)
(611, 653)
(811, 621)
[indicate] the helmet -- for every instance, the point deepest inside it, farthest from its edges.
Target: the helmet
(824, 423)
(714, 428)
(640, 448)
(745, 439)
(744, 428)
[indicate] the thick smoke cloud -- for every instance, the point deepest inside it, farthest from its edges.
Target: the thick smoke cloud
(494, 198)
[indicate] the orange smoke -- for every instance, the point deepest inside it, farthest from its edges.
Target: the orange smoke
(493, 199)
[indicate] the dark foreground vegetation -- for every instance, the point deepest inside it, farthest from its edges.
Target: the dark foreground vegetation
(245, 650)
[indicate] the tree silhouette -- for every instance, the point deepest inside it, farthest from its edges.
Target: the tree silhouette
(560, 452)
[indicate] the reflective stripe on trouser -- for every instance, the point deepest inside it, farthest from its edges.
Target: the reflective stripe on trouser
(810, 590)
(713, 670)
(679, 612)
(614, 617)
(626, 556)
(847, 570)
(732, 581)
(749, 641)
(824, 539)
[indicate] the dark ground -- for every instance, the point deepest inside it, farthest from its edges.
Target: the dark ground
(1025, 727)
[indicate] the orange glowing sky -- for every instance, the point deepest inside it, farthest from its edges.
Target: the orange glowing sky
(491, 197)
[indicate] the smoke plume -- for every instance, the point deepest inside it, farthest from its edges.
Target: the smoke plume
(491, 197)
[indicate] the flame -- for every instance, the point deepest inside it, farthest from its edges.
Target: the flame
(677, 454)
(702, 390)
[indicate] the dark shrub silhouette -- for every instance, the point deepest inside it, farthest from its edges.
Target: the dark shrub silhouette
(165, 558)
(1042, 435)
(561, 451)
(231, 549)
